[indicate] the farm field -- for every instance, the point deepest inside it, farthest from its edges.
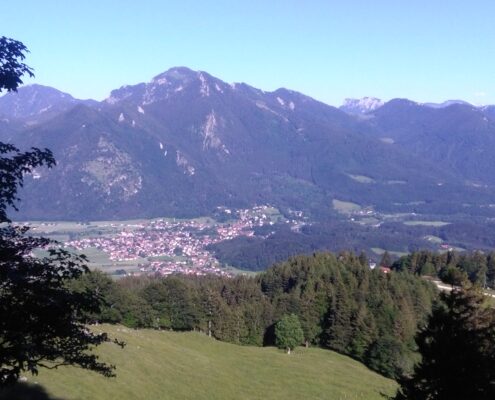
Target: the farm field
(170, 365)
(345, 207)
(436, 224)
(380, 251)
(361, 178)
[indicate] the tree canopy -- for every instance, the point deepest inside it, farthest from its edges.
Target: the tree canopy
(12, 68)
(288, 332)
(340, 302)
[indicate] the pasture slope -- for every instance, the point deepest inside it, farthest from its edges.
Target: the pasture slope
(170, 365)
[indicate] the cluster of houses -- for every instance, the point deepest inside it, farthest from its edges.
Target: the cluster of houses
(182, 267)
(176, 246)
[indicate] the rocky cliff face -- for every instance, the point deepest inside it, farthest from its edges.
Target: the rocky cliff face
(361, 106)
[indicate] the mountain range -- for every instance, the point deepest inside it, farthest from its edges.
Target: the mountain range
(187, 142)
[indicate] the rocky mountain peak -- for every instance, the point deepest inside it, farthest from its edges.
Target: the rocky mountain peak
(175, 73)
(174, 76)
(361, 106)
(165, 85)
(186, 142)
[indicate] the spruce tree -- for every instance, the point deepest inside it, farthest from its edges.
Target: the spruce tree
(458, 351)
(338, 332)
(386, 260)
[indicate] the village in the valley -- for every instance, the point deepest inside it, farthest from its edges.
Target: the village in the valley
(171, 246)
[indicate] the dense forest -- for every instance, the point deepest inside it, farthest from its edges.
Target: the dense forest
(276, 243)
(451, 267)
(342, 305)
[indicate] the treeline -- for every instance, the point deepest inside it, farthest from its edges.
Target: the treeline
(276, 243)
(341, 304)
(451, 267)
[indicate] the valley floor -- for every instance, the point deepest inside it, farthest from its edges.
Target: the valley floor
(170, 365)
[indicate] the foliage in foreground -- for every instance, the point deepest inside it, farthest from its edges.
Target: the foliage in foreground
(42, 321)
(12, 67)
(457, 349)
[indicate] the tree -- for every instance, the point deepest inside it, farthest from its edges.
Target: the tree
(43, 322)
(11, 66)
(102, 285)
(389, 356)
(490, 274)
(428, 269)
(386, 260)
(363, 259)
(172, 300)
(288, 332)
(458, 351)
(337, 333)
(453, 276)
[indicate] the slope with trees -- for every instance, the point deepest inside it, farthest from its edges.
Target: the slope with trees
(339, 302)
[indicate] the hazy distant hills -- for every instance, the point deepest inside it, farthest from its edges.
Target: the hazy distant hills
(187, 142)
(459, 138)
(35, 103)
(446, 103)
(489, 111)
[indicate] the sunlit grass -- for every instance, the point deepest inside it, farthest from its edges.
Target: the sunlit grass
(169, 365)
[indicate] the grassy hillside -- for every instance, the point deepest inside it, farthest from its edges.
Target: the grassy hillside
(167, 365)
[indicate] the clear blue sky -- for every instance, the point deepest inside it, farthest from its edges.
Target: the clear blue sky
(425, 50)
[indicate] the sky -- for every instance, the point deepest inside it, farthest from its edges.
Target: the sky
(422, 50)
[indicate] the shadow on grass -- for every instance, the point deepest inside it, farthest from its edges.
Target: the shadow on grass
(25, 391)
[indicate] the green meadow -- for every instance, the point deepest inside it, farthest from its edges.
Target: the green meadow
(436, 224)
(171, 365)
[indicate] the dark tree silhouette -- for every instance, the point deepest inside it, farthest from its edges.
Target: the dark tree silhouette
(43, 321)
(386, 260)
(458, 351)
(11, 66)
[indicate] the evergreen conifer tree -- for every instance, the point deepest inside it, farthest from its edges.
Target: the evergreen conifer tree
(458, 351)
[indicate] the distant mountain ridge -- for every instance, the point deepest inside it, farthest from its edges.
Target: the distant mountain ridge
(37, 102)
(446, 103)
(187, 142)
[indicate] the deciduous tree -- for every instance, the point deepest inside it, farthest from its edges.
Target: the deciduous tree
(12, 67)
(43, 322)
(288, 332)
